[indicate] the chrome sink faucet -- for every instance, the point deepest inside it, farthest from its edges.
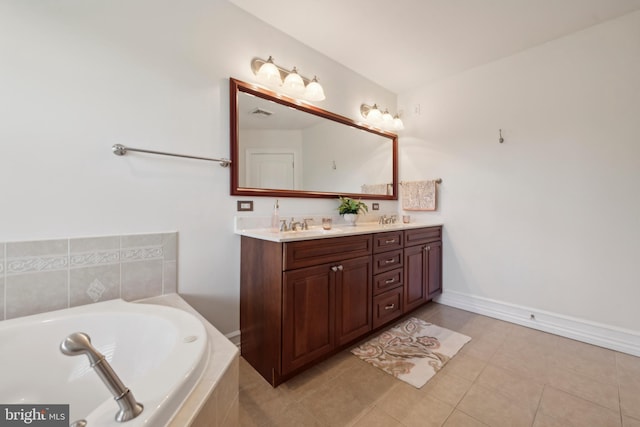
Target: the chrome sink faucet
(295, 225)
(80, 343)
(305, 223)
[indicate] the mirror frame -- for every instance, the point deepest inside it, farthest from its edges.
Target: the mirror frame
(237, 86)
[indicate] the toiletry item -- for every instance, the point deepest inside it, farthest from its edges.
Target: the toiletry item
(275, 218)
(406, 219)
(326, 223)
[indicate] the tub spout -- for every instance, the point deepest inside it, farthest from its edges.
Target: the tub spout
(80, 343)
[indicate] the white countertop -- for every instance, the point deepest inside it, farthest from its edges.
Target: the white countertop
(338, 230)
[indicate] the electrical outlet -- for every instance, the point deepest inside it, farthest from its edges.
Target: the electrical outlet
(375, 206)
(245, 205)
(416, 109)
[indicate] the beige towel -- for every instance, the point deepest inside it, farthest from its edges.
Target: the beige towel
(419, 195)
(375, 189)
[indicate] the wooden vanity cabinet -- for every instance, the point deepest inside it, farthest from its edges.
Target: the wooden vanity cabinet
(300, 301)
(422, 266)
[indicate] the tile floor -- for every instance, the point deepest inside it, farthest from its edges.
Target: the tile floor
(508, 375)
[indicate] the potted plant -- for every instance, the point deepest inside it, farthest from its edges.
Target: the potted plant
(350, 208)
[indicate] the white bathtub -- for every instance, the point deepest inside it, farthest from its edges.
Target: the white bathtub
(158, 352)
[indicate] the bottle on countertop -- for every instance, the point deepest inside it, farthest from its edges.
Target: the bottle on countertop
(275, 218)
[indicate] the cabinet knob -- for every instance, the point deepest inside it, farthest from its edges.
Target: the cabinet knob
(427, 248)
(390, 280)
(340, 267)
(389, 307)
(337, 268)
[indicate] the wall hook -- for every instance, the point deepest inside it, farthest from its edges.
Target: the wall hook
(501, 140)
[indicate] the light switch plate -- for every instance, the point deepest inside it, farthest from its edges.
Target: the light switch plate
(375, 206)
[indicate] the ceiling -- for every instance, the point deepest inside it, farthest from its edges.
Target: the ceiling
(405, 44)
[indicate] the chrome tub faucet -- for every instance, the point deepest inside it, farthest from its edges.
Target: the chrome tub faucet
(80, 343)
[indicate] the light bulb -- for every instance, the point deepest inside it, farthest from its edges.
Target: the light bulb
(397, 123)
(293, 83)
(387, 119)
(314, 91)
(374, 115)
(269, 73)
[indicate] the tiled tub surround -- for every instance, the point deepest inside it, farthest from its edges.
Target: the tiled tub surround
(46, 275)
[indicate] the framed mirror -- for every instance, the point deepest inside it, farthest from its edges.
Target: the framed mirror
(286, 148)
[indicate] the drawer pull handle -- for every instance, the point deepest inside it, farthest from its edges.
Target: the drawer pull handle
(390, 261)
(389, 307)
(390, 280)
(390, 241)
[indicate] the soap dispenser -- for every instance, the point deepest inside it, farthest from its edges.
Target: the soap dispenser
(275, 218)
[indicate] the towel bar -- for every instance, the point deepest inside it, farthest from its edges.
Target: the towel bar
(121, 150)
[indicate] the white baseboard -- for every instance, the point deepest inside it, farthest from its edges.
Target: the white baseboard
(614, 338)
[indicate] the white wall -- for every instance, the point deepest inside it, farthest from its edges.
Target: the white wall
(551, 218)
(77, 77)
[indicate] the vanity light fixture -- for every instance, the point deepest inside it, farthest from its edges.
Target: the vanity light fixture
(289, 82)
(383, 120)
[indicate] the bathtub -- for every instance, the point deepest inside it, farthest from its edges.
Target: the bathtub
(158, 352)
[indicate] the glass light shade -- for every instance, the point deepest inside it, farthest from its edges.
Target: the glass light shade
(397, 123)
(374, 115)
(294, 84)
(314, 91)
(269, 73)
(387, 119)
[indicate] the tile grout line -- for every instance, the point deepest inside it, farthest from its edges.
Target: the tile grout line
(68, 272)
(618, 384)
(4, 280)
(535, 416)
(120, 267)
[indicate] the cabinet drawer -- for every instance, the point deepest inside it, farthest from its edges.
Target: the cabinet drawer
(384, 281)
(387, 261)
(422, 235)
(387, 306)
(383, 242)
(306, 253)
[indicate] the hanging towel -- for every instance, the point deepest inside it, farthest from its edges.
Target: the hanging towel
(419, 195)
(375, 189)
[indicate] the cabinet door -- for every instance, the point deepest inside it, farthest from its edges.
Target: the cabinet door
(434, 269)
(308, 328)
(353, 299)
(415, 277)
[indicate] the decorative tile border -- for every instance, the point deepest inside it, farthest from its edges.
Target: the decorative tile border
(141, 254)
(97, 269)
(87, 259)
(36, 264)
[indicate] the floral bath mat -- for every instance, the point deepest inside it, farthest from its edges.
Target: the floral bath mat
(412, 351)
